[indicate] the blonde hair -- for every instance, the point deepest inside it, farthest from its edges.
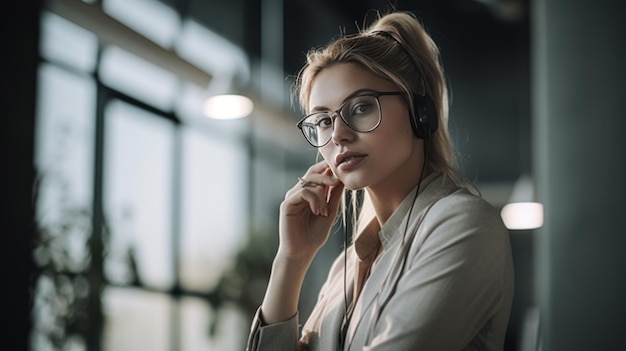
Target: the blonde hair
(395, 47)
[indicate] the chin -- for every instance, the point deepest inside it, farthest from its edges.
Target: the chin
(353, 184)
(353, 188)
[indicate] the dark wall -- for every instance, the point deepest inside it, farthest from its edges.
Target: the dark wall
(20, 30)
(579, 85)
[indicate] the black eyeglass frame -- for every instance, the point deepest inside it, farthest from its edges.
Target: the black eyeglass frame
(375, 94)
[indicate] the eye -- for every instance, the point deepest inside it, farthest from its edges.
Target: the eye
(324, 121)
(362, 106)
(362, 109)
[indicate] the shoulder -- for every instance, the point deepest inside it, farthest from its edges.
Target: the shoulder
(463, 209)
(467, 224)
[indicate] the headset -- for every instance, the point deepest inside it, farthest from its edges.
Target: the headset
(424, 119)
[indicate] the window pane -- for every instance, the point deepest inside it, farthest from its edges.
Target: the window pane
(138, 195)
(138, 78)
(150, 18)
(269, 189)
(213, 53)
(231, 329)
(214, 210)
(136, 320)
(64, 157)
(63, 41)
(64, 148)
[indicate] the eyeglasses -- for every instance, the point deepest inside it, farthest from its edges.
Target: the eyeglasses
(361, 113)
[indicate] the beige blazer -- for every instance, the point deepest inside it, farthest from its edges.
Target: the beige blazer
(445, 284)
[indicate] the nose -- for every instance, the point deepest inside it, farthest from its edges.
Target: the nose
(341, 132)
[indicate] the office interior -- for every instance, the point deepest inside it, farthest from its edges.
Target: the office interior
(137, 222)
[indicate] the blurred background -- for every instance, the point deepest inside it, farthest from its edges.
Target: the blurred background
(142, 216)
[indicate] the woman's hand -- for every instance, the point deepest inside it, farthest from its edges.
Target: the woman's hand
(308, 213)
(306, 216)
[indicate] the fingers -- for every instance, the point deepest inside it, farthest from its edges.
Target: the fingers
(303, 183)
(316, 204)
(319, 167)
(325, 177)
(318, 188)
(318, 175)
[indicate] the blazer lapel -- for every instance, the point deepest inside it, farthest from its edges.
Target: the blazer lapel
(387, 269)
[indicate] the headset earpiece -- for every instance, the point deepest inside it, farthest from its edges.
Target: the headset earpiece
(424, 120)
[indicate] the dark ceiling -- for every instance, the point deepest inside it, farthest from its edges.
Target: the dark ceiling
(485, 51)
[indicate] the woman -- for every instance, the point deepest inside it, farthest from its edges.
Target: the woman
(430, 267)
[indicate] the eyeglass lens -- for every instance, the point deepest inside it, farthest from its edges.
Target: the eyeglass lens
(361, 113)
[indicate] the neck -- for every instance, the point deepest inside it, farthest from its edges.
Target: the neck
(385, 200)
(386, 196)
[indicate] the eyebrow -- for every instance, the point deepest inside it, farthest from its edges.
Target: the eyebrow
(353, 94)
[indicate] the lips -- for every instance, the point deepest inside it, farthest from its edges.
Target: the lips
(349, 159)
